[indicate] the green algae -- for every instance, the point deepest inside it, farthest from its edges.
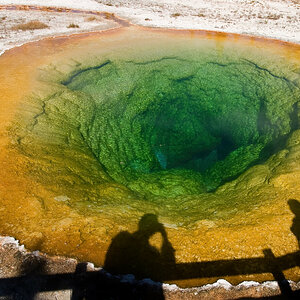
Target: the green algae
(183, 125)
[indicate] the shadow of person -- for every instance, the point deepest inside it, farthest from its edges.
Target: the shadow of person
(295, 208)
(133, 253)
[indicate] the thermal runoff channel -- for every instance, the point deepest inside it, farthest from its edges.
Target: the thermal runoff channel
(196, 131)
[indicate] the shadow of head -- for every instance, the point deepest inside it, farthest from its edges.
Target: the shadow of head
(294, 206)
(149, 225)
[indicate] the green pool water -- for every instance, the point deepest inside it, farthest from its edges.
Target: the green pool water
(178, 126)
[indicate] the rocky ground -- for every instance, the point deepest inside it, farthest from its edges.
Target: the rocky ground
(15, 24)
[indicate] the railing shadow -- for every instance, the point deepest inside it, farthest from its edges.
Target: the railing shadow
(101, 285)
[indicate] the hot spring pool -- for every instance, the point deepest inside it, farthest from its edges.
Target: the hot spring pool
(199, 128)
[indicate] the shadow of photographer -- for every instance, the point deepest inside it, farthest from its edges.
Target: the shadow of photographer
(133, 254)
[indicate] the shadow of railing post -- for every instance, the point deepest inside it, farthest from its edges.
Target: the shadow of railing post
(277, 273)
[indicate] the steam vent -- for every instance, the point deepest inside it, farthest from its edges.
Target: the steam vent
(198, 128)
